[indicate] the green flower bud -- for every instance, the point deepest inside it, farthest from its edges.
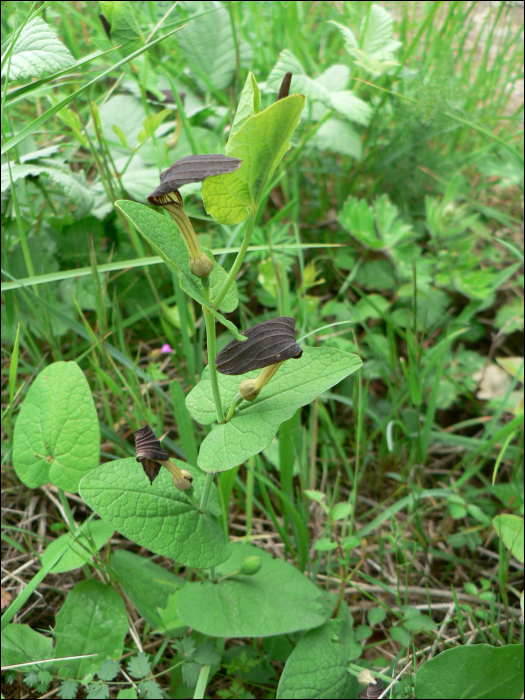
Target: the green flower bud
(251, 565)
(202, 266)
(249, 390)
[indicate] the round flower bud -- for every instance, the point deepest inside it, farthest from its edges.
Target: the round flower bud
(251, 565)
(202, 266)
(184, 481)
(249, 390)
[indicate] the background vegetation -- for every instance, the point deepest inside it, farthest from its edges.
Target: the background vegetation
(397, 214)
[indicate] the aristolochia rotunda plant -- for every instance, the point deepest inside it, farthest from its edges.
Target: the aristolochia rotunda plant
(258, 381)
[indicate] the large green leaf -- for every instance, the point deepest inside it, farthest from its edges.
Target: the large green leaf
(146, 584)
(157, 516)
(163, 235)
(22, 644)
(296, 383)
(260, 143)
(57, 437)
(476, 671)
(124, 27)
(278, 599)
(93, 620)
(317, 667)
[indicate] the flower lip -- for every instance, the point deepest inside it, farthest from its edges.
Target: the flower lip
(194, 169)
(268, 342)
(149, 452)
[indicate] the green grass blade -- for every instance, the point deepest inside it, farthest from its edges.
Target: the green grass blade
(184, 423)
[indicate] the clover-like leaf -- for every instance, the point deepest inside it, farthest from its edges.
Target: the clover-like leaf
(157, 516)
(379, 227)
(375, 48)
(260, 143)
(57, 437)
(253, 426)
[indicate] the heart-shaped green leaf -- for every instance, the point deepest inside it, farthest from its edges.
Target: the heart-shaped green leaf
(278, 599)
(296, 383)
(260, 143)
(157, 516)
(57, 437)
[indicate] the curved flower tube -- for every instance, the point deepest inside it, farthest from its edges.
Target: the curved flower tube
(167, 195)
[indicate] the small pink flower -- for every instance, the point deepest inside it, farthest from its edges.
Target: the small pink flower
(166, 348)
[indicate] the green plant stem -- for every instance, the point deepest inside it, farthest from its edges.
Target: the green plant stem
(67, 510)
(238, 260)
(210, 337)
(202, 680)
(206, 493)
(236, 402)
(250, 483)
